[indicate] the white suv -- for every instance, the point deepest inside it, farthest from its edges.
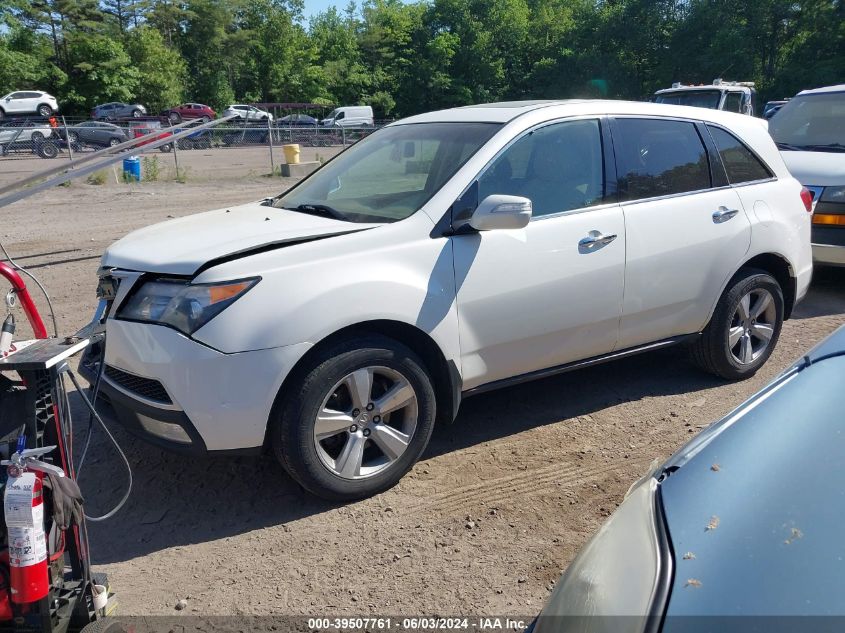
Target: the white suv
(28, 102)
(445, 255)
(247, 112)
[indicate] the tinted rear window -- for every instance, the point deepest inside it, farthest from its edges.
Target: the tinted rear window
(740, 162)
(659, 158)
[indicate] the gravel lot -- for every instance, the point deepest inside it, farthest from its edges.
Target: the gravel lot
(484, 524)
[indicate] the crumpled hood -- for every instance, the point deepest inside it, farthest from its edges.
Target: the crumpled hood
(183, 245)
(816, 169)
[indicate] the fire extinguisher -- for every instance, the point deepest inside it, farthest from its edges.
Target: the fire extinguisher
(23, 505)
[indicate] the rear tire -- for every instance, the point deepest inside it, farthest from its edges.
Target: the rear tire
(47, 150)
(114, 141)
(166, 148)
(329, 466)
(744, 328)
(175, 117)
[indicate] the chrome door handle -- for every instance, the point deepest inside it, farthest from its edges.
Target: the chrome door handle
(723, 214)
(595, 238)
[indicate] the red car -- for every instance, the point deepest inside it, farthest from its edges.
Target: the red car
(190, 111)
(149, 127)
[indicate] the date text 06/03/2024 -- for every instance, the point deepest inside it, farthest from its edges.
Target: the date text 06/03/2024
(416, 624)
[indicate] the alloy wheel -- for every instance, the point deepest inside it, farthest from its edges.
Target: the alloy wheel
(366, 422)
(752, 326)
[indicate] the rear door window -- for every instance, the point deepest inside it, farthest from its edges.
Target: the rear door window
(740, 162)
(659, 157)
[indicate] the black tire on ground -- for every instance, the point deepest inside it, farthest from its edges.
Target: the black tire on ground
(712, 350)
(45, 110)
(294, 416)
(47, 150)
(166, 148)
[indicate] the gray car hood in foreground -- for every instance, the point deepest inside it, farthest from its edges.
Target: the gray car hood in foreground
(183, 245)
(756, 514)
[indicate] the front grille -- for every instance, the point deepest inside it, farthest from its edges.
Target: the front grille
(145, 387)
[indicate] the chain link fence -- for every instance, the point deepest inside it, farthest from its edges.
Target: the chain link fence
(60, 138)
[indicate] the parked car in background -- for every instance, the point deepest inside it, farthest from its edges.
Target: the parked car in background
(190, 111)
(297, 120)
(773, 107)
(247, 113)
(731, 96)
(250, 132)
(95, 133)
(118, 110)
(23, 134)
(669, 225)
(724, 529)
(349, 116)
(150, 128)
(810, 132)
(28, 102)
(202, 139)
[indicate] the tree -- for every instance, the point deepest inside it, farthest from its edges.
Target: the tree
(100, 71)
(162, 72)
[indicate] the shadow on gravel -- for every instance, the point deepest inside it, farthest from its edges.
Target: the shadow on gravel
(516, 409)
(178, 501)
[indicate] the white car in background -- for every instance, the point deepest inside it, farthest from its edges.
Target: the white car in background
(247, 113)
(442, 256)
(28, 102)
(810, 132)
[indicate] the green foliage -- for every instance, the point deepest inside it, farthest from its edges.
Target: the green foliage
(100, 71)
(162, 72)
(98, 178)
(406, 57)
(150, 168)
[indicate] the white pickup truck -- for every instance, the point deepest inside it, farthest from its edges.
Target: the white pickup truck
(731, 96)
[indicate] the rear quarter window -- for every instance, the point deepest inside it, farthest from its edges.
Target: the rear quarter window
(740, 163)
(659, 157)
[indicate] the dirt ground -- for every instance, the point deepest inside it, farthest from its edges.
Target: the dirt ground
(484, 523)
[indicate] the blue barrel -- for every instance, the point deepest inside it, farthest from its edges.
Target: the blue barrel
(132, 168)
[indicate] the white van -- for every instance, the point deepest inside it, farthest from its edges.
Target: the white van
(349, 116)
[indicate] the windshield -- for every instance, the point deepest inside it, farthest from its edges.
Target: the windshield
(812, 122)
(390, 174)
(332, 114)
(698, 98)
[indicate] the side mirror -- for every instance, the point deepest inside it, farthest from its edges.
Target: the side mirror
(501, 212)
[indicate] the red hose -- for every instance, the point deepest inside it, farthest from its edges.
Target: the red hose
(25, 299)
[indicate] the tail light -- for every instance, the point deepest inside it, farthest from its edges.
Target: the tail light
(807, 199)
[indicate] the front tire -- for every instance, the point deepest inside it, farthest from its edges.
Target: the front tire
(355, 419)
(136, 114)
(744, 328)
(45, 111)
